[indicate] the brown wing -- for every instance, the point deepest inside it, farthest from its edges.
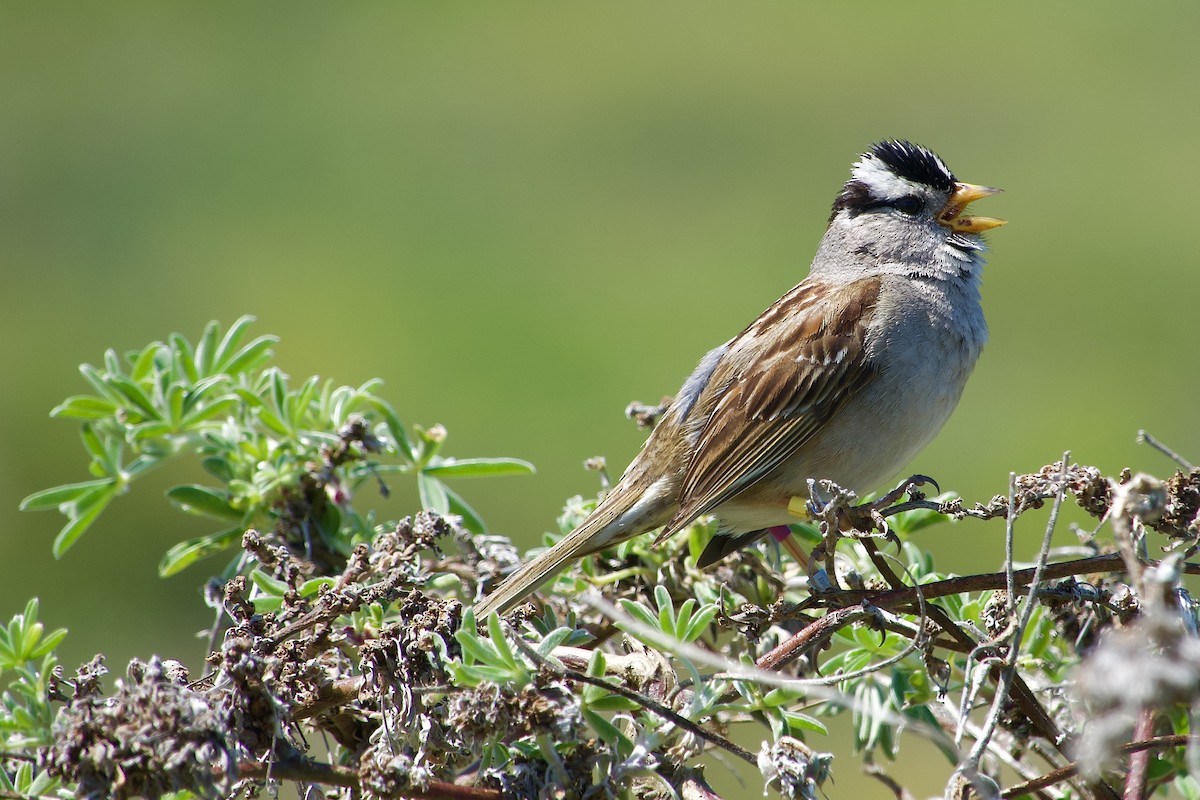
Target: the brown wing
(778, 382)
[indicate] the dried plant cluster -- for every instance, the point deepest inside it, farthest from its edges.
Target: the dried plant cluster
(346, 658)
(560, 702)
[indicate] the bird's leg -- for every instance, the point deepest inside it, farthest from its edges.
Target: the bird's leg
(829, 515)
(783, 535)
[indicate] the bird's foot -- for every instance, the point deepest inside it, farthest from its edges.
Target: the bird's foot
(843, 514)
(840, 515)
(873, 516)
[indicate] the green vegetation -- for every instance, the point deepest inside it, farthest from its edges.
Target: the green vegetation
(343, 627)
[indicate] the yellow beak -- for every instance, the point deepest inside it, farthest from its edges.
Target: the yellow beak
(964, 194)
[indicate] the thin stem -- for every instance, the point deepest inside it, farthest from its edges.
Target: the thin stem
(659, 709)
(1145, 438)
(1139, 762)
(1072, 769)
(1007, 675)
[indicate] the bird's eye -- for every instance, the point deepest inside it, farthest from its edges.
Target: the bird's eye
(909, 204)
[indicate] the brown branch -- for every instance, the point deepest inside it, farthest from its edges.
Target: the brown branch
(301, 770)
(791, 649)
(1139, 762)
(307, 771)
(330, 695)
(1021, 694)
(1072, 769)
(907, 596)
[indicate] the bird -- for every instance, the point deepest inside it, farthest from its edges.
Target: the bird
(846, 377)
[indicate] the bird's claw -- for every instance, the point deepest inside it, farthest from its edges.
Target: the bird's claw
(864, 517)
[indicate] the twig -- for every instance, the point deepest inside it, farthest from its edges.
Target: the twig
(1009, 522)
(1145, 438)
(1021, 692)
(791, 649)
(946, 713)
(1008, 676)
(1022, 695)
(1072, 769)
(875, 771)
(898, 598)
(637, 697)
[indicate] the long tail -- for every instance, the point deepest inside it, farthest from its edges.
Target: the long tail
(595, 533)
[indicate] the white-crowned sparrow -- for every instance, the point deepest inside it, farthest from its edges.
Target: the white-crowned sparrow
(845, 377)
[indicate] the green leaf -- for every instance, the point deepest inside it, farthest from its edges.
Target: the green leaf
(200, 390)
(175, 397)
(470, 517)
(640, 613)
(496, 634)
(273, 422)
(699, 623)
(89, 508)
(134, 394)
(143, 363)
(215, 408)
(218, 467)
(1187, 786)
(301, 400)
(93, 377)
(433, 494)
(194, 499)
(613, 702)
(312, 586)
(184, 358)
(553, 639)
(84, 406)
(249, 357)
(249, 398)
(478, 467)
(597, 665)
(112, 363)
(96, 449)
(265, 604)
(206, 349)
(907, 522)
(48, 644)
(803, 722)
(479, 650)
(666, 609)
(608, 732)
(146, 431)
(394, 425)
(279, 395)
(267, 584)
(479, 673)
(231, 339)
(924, 716)
(49, 499)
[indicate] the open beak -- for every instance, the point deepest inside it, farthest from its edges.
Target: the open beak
(952, 217)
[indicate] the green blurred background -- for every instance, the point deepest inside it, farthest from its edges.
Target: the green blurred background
(523, 216)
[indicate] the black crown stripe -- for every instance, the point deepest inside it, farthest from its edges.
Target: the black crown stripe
(914, 163)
